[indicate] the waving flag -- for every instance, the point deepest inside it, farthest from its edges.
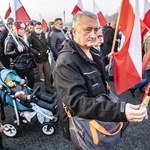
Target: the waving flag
(19, 12)
(44, 23)
(101, 18)
(78, 7)
(128, 61)
(7, 14)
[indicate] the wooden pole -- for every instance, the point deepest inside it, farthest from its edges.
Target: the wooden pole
(115, 35)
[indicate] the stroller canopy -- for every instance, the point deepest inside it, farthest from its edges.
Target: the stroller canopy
(9, 74)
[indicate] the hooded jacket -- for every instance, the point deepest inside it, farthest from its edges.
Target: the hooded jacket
(79, 81)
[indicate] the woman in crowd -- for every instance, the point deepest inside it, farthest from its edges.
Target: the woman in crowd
(21, 53)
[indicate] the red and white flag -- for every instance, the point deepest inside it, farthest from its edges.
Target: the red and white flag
(19, 12)
(44, 23)
(78, 7)
(128, 61)
(8, 12)
(101, 18)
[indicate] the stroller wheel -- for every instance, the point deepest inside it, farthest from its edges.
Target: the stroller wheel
(48, 129)
(10, 130)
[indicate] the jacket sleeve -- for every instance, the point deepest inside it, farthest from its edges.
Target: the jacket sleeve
(71, 89)
(11, 48)
(34, 51)
(109, 37)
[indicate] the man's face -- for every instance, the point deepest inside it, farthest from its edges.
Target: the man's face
(99, 40)
(85, 32)
(30, 27)
(59, 25)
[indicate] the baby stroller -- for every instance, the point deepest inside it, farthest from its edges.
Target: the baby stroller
(25, 114)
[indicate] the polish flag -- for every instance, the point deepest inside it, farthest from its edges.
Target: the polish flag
(101, 18)
(128, 61)
(8, 12)
(19, 12)
(44, 23)
(78, 7)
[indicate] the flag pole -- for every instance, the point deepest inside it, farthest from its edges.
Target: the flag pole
(9, 30)
(115, 35)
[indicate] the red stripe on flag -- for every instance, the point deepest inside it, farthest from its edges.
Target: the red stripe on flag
(22, 15)
(75, 10)
(101, 19)
(147, 18)
(125, 71)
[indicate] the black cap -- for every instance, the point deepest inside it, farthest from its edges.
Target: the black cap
(10, 20)
(30, 23)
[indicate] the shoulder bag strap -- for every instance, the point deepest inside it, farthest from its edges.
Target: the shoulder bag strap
(94, 126)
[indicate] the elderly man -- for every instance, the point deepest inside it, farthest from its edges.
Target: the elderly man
(79, 77)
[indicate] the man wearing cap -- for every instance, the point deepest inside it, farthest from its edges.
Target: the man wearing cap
(30, 27)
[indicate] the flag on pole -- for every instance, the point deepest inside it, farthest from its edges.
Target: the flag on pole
(78, 7)
(8, 12)
(44, 23)
(101, 18)
(128, 61)
(19, 12)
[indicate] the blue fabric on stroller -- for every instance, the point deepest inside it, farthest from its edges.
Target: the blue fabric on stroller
(5, 94)
(43, 115)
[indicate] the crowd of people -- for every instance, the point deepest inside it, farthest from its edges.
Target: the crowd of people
(80, 65)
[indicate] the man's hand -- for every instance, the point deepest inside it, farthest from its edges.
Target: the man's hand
(133, 114)
(20, 49)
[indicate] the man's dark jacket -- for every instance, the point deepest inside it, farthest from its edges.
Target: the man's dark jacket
(38, 44)
(79, 81)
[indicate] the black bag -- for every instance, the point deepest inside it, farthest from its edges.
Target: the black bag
(90, 134)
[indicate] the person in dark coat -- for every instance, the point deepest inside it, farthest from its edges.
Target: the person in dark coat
(38, 44)
(80, 77)
(108, 34)
(56, 37)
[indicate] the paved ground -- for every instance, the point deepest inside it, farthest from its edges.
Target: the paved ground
(136, 136)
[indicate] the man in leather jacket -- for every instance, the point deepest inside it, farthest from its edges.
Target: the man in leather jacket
(79, 77)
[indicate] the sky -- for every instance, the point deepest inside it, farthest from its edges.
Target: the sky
(51, 9)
